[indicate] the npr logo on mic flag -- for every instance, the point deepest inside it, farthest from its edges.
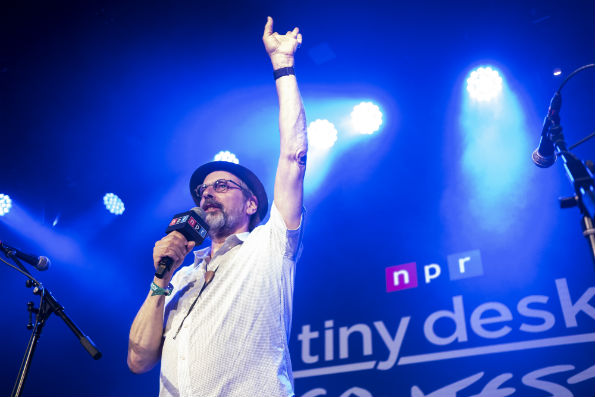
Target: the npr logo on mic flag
(201, 230)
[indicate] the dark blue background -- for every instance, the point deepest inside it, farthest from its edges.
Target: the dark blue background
(130, 97)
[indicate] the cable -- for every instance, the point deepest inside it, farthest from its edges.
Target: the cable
(20, 271)
(585, 139)
(574, 73)
(558, 93)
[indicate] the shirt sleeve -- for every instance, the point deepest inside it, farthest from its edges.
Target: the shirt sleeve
(291, 239)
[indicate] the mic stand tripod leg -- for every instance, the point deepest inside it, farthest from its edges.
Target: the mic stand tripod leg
(42, 315)
(47, 306)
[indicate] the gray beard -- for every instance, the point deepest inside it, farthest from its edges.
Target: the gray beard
(221, 224)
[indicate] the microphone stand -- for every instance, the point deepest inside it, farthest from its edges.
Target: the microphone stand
(47, 306)
(581, 179)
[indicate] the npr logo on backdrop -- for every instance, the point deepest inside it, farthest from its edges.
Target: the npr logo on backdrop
(460, 265)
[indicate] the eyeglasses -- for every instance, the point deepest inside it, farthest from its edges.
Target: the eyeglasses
(220, 186)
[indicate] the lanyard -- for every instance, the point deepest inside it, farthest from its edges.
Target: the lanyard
(204, 285)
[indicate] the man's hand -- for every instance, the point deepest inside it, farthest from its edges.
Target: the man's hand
(281, 47)
(176, 247)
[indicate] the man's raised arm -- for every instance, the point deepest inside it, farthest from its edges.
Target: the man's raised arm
(289, 181)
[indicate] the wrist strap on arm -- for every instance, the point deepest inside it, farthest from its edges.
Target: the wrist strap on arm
(157, 290)
(283, 72)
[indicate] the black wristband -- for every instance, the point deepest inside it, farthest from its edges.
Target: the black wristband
(283, 72)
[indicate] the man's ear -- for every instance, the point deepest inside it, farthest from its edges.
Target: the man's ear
(251, 206)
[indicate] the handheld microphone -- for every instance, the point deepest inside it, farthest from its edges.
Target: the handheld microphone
(41, 263)
(544, 155)
(192, 226)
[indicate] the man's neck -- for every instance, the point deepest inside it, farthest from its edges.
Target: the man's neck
(218, 241)
(215, 245)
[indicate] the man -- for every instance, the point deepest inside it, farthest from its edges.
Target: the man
(221, 326)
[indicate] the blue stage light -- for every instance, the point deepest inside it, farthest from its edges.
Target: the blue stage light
(322, 134)
(5, 204)
(113, 204)
(484, 84)
(226, 155)
(366, 118)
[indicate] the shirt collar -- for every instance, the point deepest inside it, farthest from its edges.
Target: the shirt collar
(201, 254)
(204, 253)
(242, 236)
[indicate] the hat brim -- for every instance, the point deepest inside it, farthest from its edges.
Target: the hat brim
(247, 176)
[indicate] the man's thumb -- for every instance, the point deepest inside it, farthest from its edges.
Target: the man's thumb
(190, 246)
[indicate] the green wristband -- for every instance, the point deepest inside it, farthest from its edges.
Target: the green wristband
(157, 290)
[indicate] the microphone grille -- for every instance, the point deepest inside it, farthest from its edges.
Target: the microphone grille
(43, 263)
(199, 211)
(543, 161)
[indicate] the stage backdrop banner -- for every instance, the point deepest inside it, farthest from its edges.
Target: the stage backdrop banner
(464, 324)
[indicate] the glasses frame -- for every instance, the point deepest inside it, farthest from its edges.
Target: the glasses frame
(220, 186)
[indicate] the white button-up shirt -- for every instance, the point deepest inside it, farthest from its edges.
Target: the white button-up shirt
(233, 339)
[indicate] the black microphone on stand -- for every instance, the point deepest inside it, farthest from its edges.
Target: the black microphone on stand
(41, 263)
(192, 226)
(544, 155)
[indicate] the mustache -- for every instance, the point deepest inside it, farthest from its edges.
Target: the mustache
(211, 203)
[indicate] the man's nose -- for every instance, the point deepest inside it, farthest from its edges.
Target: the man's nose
(208, 193)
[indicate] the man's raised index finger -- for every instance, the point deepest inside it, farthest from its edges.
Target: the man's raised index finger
(268, 28)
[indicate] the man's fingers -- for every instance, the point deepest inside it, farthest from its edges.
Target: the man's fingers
(299, 39)
(295, 32)
(268, 28)
(173, 253)
(176, 252)
(175, 235)
(173, 245)
(190, 246)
